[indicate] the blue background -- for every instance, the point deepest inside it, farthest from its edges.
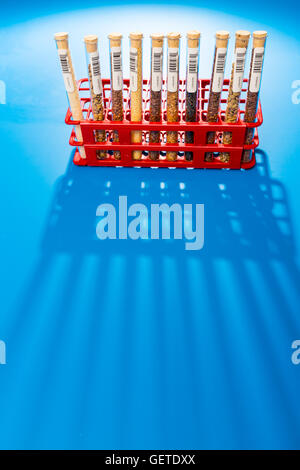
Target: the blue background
(141, 344)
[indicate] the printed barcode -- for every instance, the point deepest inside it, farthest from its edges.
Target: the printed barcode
(133, 61)
(95, 66)
(239, 62)
(193, 63)
(116, 60)
(220, 62)
(64, 63)
(173, 61)
(157, 62)
(257, 62)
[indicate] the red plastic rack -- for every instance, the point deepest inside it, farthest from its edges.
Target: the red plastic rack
(200, 129)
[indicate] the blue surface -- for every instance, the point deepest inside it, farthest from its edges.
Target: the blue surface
(141, 344)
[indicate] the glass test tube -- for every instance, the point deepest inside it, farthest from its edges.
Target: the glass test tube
(157, 43)
(191, 95)
(96, 89)
(173, 89)
(136, 88)
(116, 72)
(62, 43)
(235, 86)
(257, 59)
(216, 85)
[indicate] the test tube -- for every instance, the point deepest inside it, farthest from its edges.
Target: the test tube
(235, 86)
(157, 43)
(96, 89)
(257, 59)
(216, 85)
(62, 43)
(116, 71)
(173, 88)
(136, 87)
(191, 95)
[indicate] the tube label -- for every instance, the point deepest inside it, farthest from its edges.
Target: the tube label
(156, 72)
(256, 70)
(192, 69)
(239, 67)
(96, 72)
(218, 75)
(116, 68)
(133, 65)
(173, 68)
(66, 70)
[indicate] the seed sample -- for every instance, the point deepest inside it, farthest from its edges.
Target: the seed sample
(116, 72)
(257, 59)
(136, 87)
(62, 43)
(157, 42)
(235, 86)
(96, 90)
(191, 94)
(173, 89)
(216, 85)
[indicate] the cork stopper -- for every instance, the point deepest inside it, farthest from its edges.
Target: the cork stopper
(173, 36)
(222, 38)
(193, 38)
(115, 39)
(115, 36)
(260, 34)
(62, 40)
(242, 38)
(157, 39)
(61, 36)
(136, 35)
(259, 38)
(173, 39)
(136, 39)
(157, 36)
(193, 34)
(91, 43)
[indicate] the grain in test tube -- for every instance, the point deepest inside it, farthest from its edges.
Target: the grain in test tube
(95, 80)
(62, 43)
(257, 59)
(172, 89)
(191, 95)
(157, 43)
(116, 71)
(216, 85)
(235, 86)
(136, 88)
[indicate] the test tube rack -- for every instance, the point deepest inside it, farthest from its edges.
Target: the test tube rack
(200, 128)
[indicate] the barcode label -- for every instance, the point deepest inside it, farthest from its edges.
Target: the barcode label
(133, 65)
(192, 69)
(239, 67)
(116, 68)
(257, 63)
(66, 70)
(156, 72)
(173, 68)
(96, 72)
(218, 76)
